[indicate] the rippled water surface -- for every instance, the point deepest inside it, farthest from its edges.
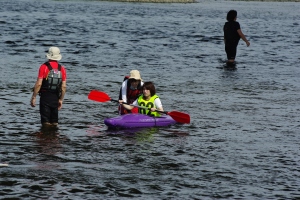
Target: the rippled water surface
(243, 139)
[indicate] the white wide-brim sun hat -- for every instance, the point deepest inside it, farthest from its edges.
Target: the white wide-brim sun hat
(135, 74)
(54, 54)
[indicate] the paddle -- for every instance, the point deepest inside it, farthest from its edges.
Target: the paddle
(99, 96)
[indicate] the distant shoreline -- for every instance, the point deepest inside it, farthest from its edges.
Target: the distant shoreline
(191, 1)
(269, 0)
(155, 1)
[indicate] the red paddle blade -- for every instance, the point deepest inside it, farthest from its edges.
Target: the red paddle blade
(99, 96)
(180, 117)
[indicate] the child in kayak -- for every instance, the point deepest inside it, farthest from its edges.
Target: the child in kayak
(149, 99)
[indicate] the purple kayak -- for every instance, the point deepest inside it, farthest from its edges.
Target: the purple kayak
(138, 120)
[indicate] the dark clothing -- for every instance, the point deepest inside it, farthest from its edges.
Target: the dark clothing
(53, 80)
(230, 51)
(49, 107)
(49, 95)
(131, 95)
(232, 38)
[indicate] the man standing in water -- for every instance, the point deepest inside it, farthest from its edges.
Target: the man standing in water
(51, 86)
(232, 35)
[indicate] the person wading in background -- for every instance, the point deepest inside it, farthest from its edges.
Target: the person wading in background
(51, 86)
(232, 35)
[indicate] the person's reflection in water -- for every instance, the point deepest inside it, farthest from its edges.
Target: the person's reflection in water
(146, 135)
(48, 140)
(135, 135)
(47, 145)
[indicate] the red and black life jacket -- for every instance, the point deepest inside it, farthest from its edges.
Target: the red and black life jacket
(53, 81)
(132, 95)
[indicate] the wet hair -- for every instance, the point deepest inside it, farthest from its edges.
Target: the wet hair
(231, 15)
(149, 86)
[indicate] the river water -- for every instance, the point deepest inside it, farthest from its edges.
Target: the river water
(243, 140)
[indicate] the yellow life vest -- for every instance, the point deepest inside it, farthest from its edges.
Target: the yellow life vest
(148, 104)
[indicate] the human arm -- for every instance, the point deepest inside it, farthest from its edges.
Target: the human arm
(243, 37)
(158, 105)
(129, 107)
(36, 90)
(124, 92)
(62, 95)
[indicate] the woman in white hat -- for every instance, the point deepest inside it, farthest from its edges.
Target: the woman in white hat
(130, 91)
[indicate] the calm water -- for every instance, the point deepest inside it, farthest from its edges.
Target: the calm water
(243, 141)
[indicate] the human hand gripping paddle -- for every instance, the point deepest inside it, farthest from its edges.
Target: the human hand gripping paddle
(179, 117)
